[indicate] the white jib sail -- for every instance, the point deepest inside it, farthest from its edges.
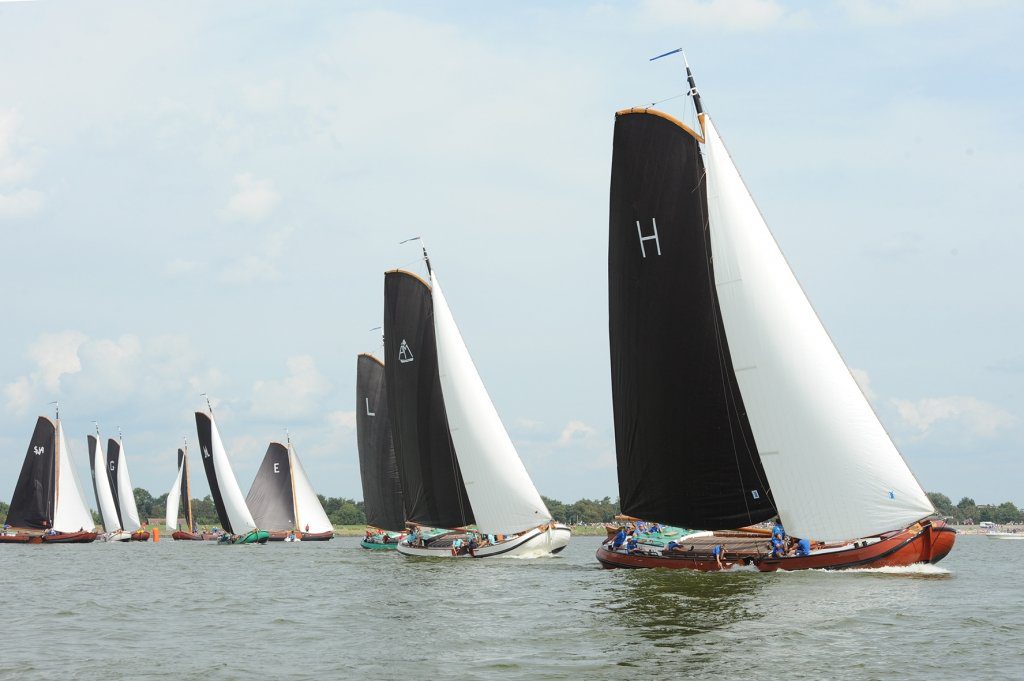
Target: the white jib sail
(71, 511)
(503, 497)
(308, 509)
(173, 500)
(234, 501)
(834, 472)
(126, 495)
(104, 497)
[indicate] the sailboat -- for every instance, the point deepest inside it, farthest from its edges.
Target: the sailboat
(378, 470)
(104, 493)
(123, 492)
(180, 496)
(234, 515)
(731, 404)
(48, 505)
(282, 498)
(470, 447)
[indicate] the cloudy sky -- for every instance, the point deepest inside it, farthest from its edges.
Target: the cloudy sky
(202, 197)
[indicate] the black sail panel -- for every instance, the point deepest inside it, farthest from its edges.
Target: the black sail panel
(113, 460)
(32, 504)
(270, 498)
(432, 486)
(185, 498)
(204, 429)
(685, 451)
(382, 488)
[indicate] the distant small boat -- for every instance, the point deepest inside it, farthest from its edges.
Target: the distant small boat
(48, 504)
(1005, 535)
(283, 500)
(383, 502)
(123, 490)
(104, 493)
(234, 515)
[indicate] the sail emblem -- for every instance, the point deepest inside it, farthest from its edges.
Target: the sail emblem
(38, 450)
(404, 353)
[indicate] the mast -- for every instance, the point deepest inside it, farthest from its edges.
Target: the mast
(291, 468)
(187, 489)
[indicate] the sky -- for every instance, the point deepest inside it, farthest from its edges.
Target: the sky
(202, 197)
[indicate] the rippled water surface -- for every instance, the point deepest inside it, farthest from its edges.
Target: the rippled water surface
(332, 610)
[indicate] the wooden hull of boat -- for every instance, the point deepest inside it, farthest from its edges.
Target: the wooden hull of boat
(69, 538)
(531, 544)
(315, 536)
(18, 538)
(140, 535)
(180, 535)
(928, 542)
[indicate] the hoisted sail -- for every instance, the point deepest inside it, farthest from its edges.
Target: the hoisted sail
(128, 512)
(503, 496)
(432, 483)
(309, 512)
(101, 486)
(834, 471)
(180, 490)
(71, 511)
(227, 497)
(32, 504)
(382, 488)
(270, 497)
(685, 451)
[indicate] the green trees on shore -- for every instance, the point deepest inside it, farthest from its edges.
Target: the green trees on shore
(967, 511)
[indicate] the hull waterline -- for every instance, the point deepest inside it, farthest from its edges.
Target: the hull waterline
(928, 542)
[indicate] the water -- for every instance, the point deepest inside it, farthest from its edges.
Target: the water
(332, 610)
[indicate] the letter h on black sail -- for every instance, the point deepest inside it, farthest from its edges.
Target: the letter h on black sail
(652, 237)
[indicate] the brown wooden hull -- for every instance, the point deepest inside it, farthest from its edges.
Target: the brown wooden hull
(928, 542)
(304, 536)
(69, 538)
(19, 538)
(180, 535)
(140, 535)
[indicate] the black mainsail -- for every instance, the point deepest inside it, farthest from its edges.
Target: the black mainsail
(382, 487)
(434, 492)
(685, 451)
(33, 503)
(271, 500)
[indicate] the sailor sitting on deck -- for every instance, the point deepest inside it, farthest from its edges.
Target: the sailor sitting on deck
(655, 529)
(456, 546)
(631, 546)
(620, 538)
(778, 547)
(801, 548)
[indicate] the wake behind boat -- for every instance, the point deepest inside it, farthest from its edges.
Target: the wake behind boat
(756, 414)
(48, 505)
(234, 515)
(512, 518)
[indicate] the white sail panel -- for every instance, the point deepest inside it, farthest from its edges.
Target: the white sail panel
(234, 501)
(104, 496)
(126, 495)
(503, 497)
(174, 499)
(308, 509)
(834, 472)
(71, 511)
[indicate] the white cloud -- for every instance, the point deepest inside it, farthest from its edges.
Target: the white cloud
(181, 266)
(981, 418)
(727, 15)
(345, 420)
(252, 201)
(295, 396)
(262, 265)
(16, 200)
(900, 12)
(575, 431)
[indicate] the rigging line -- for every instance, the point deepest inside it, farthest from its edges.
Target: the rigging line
(669, 99)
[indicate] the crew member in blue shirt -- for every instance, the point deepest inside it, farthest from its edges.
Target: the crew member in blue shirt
(631, 545)
(619, 538)
(803, 547)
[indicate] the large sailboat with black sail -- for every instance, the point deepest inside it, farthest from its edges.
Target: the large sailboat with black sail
(123, 492)
(101, 484)
(48, 505)
(378, 469)
(731, 403)
(282, 499)
(235, 518)
(433, 382)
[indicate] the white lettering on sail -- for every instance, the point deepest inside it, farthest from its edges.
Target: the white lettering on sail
(404, 353)
(654, 237)
(206, 453)
(38, 450)
(112, 466)
(277, 466)
(368, 412)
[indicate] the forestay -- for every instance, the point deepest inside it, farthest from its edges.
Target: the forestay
(503, 497)
(101, 485)
(227, 496)
(71, 511)
(309, 512)
(833, 469)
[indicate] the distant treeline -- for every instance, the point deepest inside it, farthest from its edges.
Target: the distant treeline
(350, 512)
